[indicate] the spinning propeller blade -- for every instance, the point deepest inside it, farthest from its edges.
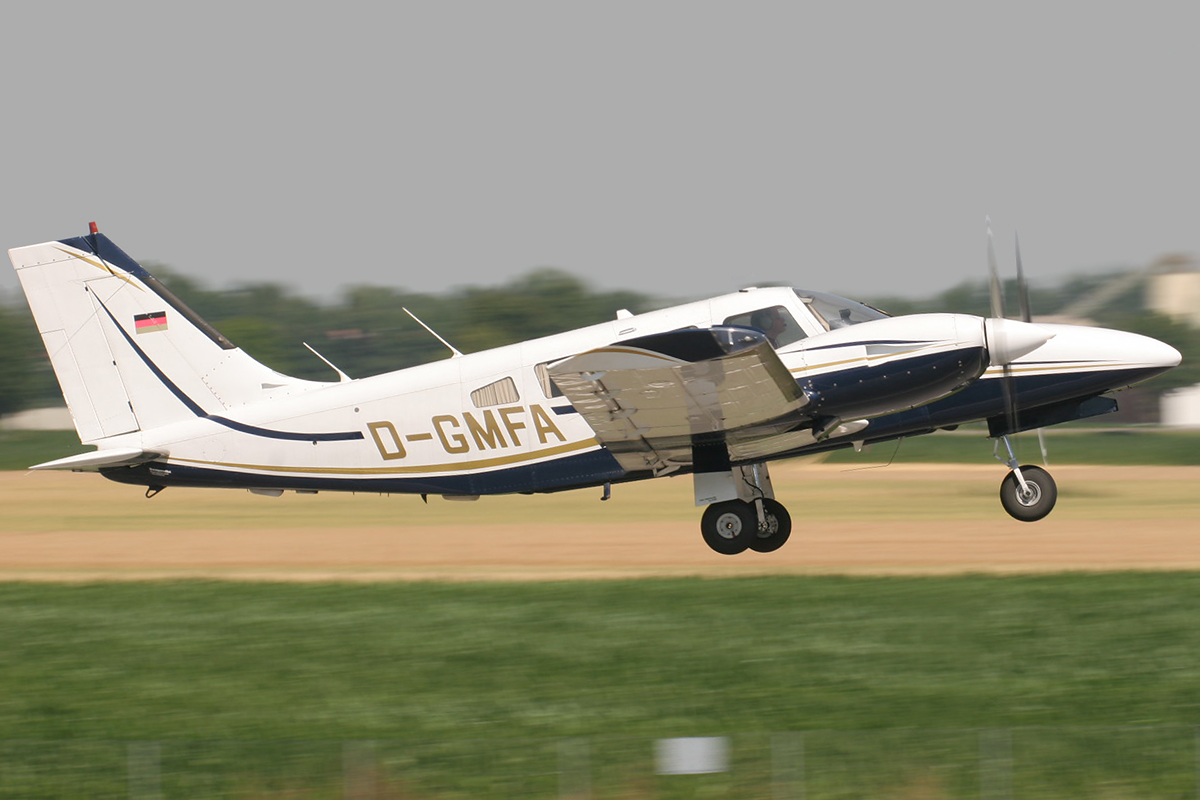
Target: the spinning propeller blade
(997, 290)
(994, 273)
(1027, 316)
(1008, 382)
(1022, 287)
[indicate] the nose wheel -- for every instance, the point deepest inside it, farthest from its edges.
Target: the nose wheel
(1028, 493)
(733, 527)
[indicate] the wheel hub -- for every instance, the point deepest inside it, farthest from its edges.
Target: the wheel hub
(729, 525)
(1031, 495)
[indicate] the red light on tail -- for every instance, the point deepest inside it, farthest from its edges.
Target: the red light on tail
(93, 228)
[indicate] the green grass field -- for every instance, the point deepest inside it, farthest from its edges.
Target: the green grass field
(414, 664)
(686, 657)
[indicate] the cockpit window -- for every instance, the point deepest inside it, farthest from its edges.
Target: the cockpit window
(838, 312)
(775, 321)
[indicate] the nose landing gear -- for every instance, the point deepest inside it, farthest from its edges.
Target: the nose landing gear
(1027, 493)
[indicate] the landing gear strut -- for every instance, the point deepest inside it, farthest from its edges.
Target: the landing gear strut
(734, 526)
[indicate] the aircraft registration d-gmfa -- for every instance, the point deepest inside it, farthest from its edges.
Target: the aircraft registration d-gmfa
(716, 388)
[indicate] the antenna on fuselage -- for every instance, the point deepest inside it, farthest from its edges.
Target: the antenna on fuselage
(342, 377)
(434, 333)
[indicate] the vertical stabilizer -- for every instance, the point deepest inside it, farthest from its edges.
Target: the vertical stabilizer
(128, 354)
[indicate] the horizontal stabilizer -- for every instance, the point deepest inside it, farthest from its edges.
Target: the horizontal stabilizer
(108, 457)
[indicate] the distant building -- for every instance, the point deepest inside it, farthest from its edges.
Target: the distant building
(1176, 293)
(1181, 408)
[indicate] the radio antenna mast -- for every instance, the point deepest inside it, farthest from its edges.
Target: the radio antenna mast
(433, 333)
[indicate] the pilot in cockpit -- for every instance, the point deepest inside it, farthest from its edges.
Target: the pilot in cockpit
(769, 321)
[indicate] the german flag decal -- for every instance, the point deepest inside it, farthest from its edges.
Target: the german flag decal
(149, 323)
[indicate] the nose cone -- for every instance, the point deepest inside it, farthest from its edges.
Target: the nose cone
(1102, 359)
(1134, 350)
(1152, 352)
(1007, 339)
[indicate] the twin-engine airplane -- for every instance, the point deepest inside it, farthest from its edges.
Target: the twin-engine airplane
(716, 388)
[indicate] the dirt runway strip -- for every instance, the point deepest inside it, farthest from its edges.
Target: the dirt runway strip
(898, 520)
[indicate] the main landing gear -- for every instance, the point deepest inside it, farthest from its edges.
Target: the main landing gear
(735, 526)
(742, 512)
(1027, 493)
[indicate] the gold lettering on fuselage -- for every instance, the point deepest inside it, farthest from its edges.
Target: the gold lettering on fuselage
(489, 429)
(440, 424)
(512, 425)
(544, 425)
(392, 449)
(486, 435)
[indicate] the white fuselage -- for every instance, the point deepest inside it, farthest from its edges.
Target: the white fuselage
(491, 421)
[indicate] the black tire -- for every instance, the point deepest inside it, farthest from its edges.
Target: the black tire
(729, 527)
(1043, 494)
(779, 528)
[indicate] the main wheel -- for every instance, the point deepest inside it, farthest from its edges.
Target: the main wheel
(729, 527)
(777, 530)
(1034, 504)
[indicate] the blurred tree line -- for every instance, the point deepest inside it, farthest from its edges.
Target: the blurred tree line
(365, 332)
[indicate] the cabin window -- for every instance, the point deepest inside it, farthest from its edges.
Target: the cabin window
(775, 321)
(549, 389)
(502, 392)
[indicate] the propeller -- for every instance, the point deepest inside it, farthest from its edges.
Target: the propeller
(997, 338)
(1003, 335)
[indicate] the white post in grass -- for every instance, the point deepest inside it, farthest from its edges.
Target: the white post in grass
(692, 755)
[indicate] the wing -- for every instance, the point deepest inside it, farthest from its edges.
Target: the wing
(652, 398)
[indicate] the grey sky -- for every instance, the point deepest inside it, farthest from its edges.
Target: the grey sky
(675, 148)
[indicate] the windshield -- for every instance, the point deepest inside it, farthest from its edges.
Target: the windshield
(838, 312)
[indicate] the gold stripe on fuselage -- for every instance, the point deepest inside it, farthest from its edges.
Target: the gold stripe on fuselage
(418, 469)
(996, 372)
